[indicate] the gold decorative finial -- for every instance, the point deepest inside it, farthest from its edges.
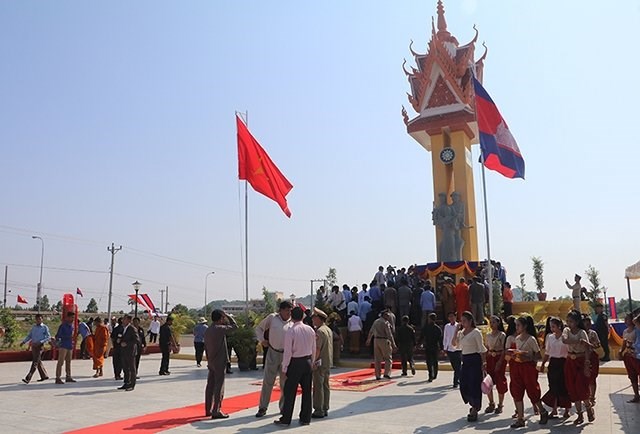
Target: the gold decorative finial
(442, 23)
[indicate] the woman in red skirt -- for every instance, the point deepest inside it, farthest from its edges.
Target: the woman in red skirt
(496, 364)
(523, 370)
(556, 354)
(594, 342)
(627, 354)
(577, 369)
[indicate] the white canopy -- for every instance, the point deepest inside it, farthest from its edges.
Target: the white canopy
(633, 272)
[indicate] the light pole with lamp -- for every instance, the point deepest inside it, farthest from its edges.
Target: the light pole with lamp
(136, 288)
(39, 290)
(206, 280)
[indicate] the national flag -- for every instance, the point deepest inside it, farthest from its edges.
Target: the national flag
(613, 313)
(22, 300)
(255, 166)
(79, 292)
(500, 151)
(148, 302)
(145, 301)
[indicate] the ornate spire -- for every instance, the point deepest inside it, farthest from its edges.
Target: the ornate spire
(442, 23)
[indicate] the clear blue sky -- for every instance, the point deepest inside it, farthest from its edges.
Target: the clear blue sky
(117, 124)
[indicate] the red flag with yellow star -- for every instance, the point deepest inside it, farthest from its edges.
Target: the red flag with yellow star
(255, 166)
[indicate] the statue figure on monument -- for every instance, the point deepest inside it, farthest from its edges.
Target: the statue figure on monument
(458, 211)
(444, 219)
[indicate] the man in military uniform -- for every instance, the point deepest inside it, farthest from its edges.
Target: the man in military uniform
(383, 344)
(322, 364)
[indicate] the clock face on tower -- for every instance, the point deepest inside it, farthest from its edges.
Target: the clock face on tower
(447, 155)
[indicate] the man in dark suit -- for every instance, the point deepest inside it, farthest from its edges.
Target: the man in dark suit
(128, 350)
(116, 339)
(215, 345)
(142, 343)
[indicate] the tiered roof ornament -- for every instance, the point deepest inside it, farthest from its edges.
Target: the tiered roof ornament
(441, 85)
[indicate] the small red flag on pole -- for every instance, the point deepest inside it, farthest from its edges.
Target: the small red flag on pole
(255, 166)
(22, 300)
(79, 292)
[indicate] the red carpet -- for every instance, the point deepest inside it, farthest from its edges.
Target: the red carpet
(172, 418)
(164, 420)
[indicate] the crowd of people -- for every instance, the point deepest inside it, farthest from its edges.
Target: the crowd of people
(123, 338)
(573, 350)
(300, 347)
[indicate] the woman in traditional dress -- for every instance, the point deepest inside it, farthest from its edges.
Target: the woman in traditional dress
(469, 340)
(577, 368)
(523, 370)
(627, 354)
(496, 364)
(556, 354)
(594, 357)
(100, 342)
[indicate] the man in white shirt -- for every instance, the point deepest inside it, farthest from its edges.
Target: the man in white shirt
(270, 332)
(154, 329)
(452, 352)
(380, 277)
(363, 293)
(352, 307)
(336, 299)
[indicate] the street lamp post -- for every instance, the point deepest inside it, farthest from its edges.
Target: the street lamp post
(206, 300)
(39, 290)
(136, 288)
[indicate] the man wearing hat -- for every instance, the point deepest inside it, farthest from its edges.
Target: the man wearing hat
(383, 344)
(575, 291)
(322, 364)
(198, 339)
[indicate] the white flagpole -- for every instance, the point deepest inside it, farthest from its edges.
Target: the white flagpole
(486, 222)
(246, 234)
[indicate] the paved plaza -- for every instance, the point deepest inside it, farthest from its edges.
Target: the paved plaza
(406, 405)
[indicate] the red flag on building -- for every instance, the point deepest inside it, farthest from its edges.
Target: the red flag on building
(255, 166)
(79, 292)
(22, 300)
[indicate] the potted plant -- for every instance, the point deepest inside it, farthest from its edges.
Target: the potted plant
(538, 268)
(243, 340)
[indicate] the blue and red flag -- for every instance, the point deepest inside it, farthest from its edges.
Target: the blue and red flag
(79, 292)
(500, 151)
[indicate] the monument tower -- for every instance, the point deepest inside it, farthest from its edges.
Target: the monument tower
(445, 125)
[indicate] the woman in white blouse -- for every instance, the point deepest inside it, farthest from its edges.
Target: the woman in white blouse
(523, 371)
(556, 354)
(473, 369)
(577, 368)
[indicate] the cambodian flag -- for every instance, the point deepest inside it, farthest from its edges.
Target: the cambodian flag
(500, 151)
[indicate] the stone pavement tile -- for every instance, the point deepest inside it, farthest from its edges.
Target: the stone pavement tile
(411, 405)
(50, 408)
(408, 405)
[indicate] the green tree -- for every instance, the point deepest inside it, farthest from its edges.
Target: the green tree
(497, 297)
(269, 301)
(595, 286)
(180, 309)
(622, 306)
(92, 307)
(10, 325)
(538, 269)
(332, 278)
(44, 304)
(58, 306)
